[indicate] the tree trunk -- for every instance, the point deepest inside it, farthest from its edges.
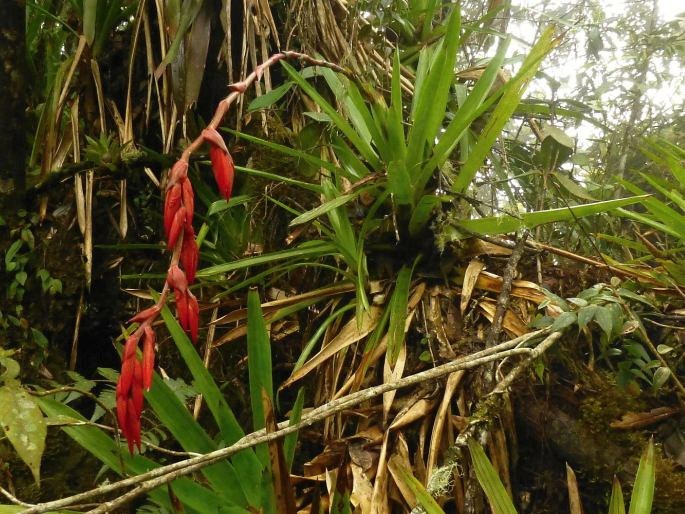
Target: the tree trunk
(13, 105)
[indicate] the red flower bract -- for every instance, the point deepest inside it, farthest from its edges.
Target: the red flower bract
(224, 171)
(129, 393)
(222, 162)
(190, 253)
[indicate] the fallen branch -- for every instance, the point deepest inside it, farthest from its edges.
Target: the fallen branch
(165, 474)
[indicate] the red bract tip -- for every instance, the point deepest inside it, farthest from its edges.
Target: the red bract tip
(189, 254)
(224, 170)
(148, 357)
(144, 315)
(214, 138)
(193, 316)
(176, 227)
(172, 203)
(188, 202)
(179, 171)
(177, 279)
(182, 308)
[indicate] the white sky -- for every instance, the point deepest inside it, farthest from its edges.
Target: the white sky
(668, 95)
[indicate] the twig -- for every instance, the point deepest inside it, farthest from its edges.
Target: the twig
(162, 475)
(503, 298)
(13, 498)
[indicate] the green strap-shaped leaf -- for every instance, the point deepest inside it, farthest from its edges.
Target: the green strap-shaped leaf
(398, 313)
(259, 363)
(317, 249)
(507, 224)
(489, 480)
(362, 146)
(245, 462)
(643, 489)
(616, 505)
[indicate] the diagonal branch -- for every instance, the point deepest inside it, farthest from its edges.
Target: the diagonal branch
(165, 474)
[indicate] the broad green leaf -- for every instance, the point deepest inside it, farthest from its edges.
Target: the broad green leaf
(324, 208)
(643, 489)
(507, 224)
(616, 505)
(572, 187)
(489, 480)
(422, 213)
(555, 149)
(564, 320)
(223, 205)
(399, 182)
(23, 424)
(270, 98)
(505, 108)
(11, 252)
(604, 319)
(585, 315)
(661, 376)
(398, 314)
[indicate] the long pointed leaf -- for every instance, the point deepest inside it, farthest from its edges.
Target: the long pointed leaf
(505, 108)
(507, 224)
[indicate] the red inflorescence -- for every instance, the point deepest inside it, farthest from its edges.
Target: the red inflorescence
(179, 208)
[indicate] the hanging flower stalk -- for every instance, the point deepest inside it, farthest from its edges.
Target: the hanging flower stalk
(179, 207)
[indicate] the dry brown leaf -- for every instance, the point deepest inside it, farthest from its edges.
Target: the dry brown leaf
(453, 382)
(415, 411)
(471, 275)
(379, 500)
(362, 489)
(519, 288)
(475, 247)
(349, 334)
(398, 461)
(334, 290)
(511, 322)
(575, 505)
